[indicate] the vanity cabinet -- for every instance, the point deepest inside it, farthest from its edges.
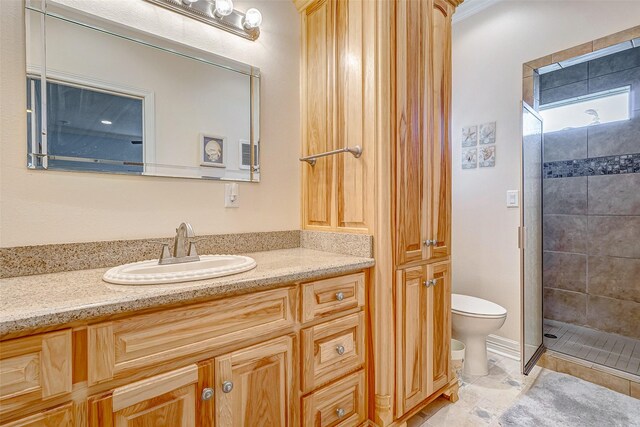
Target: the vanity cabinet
(423, 333)
(290, 356)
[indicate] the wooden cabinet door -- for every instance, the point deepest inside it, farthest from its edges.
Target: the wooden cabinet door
(411, 126)
(254, 385)
(317, 116)
(439, 191)
(338, 111)
(411, 339)
(165, 400)
(62, 416)
(439, 324)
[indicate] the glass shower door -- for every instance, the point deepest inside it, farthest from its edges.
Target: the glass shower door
(531, 238)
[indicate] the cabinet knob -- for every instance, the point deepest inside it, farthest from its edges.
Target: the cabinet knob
(227, 386)
(434, 282)
(340, 412)
(430, 242)
(207, 394)
(340, 350)
(339, 296)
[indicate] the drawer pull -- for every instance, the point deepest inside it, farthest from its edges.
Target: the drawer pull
(340, 412)
(340, 350)
(340, 296)
(207, 394)
(227, 386)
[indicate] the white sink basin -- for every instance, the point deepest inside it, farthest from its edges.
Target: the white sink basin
(151, 273)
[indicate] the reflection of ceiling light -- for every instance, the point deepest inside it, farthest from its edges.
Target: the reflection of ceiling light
(29, 111)
(105, 122)
(189, 2)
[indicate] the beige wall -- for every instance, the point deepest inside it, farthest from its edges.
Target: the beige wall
(488, 51)
(38, 207)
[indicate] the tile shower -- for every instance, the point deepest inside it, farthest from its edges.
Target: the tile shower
(591, 206)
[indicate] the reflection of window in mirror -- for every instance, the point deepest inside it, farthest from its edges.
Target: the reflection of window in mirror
(245, 155)
(90, 129)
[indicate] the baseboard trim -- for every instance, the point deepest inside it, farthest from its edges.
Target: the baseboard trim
(503, 346)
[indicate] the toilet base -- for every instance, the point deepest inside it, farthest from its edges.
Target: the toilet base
(475, 361)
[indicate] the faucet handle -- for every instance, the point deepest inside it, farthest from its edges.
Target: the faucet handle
(165, 254)
(192, 245)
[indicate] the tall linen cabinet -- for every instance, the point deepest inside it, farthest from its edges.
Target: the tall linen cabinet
(378, 74)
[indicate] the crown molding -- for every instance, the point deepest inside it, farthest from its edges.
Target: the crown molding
(471, 7)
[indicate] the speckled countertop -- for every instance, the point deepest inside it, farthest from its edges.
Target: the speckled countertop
(46, 300)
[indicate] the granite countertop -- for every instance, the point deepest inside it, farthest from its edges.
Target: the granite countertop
(48, 300)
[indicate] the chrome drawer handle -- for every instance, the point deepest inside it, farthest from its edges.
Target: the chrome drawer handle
(227, 386)
(340, 350)
(339, 296)
(340, 412)
(207, 394)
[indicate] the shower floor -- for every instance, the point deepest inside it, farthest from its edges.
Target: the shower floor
(604, 348)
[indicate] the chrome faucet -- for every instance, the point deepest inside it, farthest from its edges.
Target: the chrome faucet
(184, 247)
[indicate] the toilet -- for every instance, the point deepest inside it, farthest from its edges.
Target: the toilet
(473, 319)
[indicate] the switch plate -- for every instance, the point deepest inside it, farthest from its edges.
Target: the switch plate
(513, 198)
(231, 198)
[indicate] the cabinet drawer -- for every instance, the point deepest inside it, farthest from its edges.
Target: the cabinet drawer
(339, 404)
(122, 346)
(328, 296)
(34, 369)
(332, 349)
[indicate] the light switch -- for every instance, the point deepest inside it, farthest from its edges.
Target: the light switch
(231, 199)
(512, 198)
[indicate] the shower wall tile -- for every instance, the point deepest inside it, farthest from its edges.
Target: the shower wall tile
(565, 195)
(616, 62)
(565, 233)
(616, 236)
(614, 315)
(612, 139)
(565, 271)
(629, 77)
(613, 194)
(614, 278)
(564, 92)
(565, 306)
(565, 145)
(564, 76)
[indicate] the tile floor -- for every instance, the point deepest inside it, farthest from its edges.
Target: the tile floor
(482, 399)
(603, 348)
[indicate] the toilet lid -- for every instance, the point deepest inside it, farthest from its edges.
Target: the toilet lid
(476, 306)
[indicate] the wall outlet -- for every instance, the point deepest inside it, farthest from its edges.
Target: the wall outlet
(513, 198)
(231, 198)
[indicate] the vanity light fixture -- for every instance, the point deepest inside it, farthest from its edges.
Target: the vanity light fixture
(218, 13)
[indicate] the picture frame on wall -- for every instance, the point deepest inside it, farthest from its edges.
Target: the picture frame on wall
(212, 150)
(244, 154)
(469, 158)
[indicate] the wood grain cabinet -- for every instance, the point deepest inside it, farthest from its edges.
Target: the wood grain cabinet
(423, 333)
(241, 361)
(337, 65)
(255, 386)
(423, 115)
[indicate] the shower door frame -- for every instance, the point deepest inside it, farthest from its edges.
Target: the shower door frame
(526, 366)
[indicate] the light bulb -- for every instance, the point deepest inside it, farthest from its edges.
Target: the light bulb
(252, 19)
(223, 8)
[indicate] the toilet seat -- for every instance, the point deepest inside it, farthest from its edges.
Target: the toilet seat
(467, 305)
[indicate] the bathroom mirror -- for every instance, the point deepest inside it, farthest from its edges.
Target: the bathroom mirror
(121, 101)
